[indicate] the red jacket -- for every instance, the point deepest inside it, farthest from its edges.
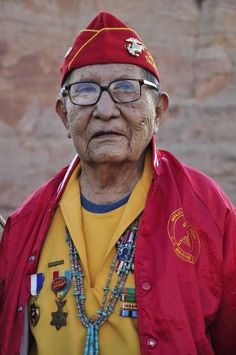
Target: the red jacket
(185, 263)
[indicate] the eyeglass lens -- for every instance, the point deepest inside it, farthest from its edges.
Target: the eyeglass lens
(85, 93)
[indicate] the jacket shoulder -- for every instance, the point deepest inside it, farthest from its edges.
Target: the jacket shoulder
(198, 181)
(195, 186)
(44, 192)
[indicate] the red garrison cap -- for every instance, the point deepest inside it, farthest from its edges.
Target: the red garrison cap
(107, 40)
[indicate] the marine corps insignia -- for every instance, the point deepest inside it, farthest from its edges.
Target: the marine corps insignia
(135, 47)
(183, 236)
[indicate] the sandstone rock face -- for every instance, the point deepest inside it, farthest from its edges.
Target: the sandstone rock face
(194, 44)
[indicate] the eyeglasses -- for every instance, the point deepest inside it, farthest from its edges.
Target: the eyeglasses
(121, 91)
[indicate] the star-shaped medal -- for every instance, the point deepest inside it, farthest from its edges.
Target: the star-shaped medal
(59, 317)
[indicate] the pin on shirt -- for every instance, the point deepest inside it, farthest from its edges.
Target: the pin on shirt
(128, 303)
(36, 284)
(55, 263)
(60, 286)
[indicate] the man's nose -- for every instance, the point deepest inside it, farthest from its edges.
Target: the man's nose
(106, 108)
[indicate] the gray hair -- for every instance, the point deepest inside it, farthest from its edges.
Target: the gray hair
(150, 77)
(66, 81)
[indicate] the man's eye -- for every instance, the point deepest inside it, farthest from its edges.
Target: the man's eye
(83, 89)
(124, 85)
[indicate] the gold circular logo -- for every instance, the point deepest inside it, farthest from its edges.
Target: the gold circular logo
(183, 236)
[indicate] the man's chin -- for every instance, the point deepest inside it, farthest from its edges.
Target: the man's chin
(108, 157)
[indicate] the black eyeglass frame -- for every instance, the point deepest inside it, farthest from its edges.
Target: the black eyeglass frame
(66, 90)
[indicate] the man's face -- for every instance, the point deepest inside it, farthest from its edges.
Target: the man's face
(110, 132)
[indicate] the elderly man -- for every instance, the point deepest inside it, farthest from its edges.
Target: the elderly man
(127, 251)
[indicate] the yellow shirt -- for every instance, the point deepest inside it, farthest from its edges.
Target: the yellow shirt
(94, 236)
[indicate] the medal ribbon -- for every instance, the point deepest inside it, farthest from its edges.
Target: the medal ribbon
(128, 303)
(36, 283)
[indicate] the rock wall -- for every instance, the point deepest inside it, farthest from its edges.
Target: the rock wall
(194, 44)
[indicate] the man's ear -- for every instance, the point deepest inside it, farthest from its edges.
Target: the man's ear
(162, 104)
(161, 107)
(62, 113)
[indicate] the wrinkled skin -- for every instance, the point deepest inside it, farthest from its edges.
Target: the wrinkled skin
(111, 138)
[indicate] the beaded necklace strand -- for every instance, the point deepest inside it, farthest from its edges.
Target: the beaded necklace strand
(122, 264)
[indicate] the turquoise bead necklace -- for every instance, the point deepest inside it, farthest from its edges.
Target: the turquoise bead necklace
(122, 264)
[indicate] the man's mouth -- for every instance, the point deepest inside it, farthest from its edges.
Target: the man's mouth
(104, 134)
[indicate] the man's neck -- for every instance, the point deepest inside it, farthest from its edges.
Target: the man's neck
(107, 183)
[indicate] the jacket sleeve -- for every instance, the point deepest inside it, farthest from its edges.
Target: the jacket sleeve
(3, 262)
(223, 331)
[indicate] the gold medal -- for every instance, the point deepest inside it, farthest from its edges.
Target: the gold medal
(34, 313)
(36, 283)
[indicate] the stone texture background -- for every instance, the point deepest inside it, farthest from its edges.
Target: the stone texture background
(194, 44)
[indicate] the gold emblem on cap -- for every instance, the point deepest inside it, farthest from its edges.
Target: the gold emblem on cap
(68, 52)
(150, 60)
(135, 47)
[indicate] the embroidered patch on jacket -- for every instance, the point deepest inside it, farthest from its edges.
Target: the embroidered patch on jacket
(184, 237)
